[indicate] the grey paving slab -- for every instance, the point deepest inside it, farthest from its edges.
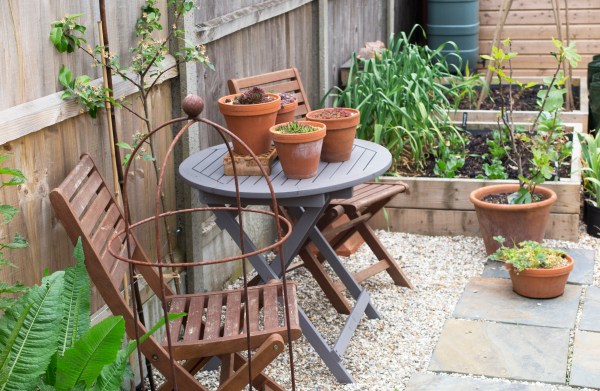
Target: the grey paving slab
(582, 274)
(442, 381)
(502, 350)
(590, 317)
(585, 371)
(493, 299)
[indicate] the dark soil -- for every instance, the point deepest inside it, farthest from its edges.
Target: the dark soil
(502, 198)
(475, 149)
(524, 100)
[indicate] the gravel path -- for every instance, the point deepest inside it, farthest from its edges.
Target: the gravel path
(385, 353)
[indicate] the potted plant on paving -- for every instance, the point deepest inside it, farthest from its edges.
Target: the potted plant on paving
(287, 112)
(590, 156)
(249, 116)
(341, 125)
(299, 146)
(521, 212)
(536, 271)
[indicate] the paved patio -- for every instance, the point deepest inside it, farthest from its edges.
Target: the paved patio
(494, 332)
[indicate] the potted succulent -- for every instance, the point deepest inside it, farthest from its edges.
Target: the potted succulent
(299, 146)
(536, 271)
(287, 112)
(590, 156)
(249, 116)
(521, 212)
(341, 125)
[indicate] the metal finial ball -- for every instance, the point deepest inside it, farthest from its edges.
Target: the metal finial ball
(192, 105)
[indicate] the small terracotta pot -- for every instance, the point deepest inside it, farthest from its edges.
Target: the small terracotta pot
(299, 154)
(287, 113)
(516, 223)
(540, 283)
(251, 123)
(338, 143)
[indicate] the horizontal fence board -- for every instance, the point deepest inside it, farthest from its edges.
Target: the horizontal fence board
(494, 5)
(541, 32)
(540, 17)
(26, 118)
(438, 222)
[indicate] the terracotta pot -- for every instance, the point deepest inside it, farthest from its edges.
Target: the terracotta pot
(337, 146)
(540, 283)
(299, 154)
(250, 123)
(287, 113)
(515, 223)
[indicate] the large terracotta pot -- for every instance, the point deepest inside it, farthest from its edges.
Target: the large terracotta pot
(540, 283)
(299, 154)
(516, 223)
(337, 146)
(250, 123)
(287, 113)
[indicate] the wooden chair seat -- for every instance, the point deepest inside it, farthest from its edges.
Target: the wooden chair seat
(367, 200)
(213, 325)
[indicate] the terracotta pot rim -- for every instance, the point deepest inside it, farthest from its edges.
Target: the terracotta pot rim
(300, 137)
(249, 110)
(543, 273)
(289, 107)
(477, 195)
(337, 123)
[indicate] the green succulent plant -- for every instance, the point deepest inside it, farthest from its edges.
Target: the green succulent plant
(529, 255)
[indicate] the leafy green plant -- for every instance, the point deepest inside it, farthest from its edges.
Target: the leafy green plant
(447, 163)
(403, 97)
(529, 255)
(46, 341)
(497, 149)
(10, 177)
(545, 138)
(295, 128)
(590, 156)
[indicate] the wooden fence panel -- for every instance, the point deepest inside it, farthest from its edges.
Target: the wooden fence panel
(531, 25)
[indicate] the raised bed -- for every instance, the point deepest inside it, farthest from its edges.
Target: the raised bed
(441, 206)
(575, 117)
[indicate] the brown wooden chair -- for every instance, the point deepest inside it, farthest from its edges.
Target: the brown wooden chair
(355, 212)
(214, 324)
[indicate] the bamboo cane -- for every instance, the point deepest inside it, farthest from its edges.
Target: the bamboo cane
(556, 11)
(504, 9)
(568, 39)
(111, 137)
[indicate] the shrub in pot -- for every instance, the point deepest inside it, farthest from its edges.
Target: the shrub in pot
(249, 116)
(536, 271)
(299, 146)
(590, 156)
(341, 125)
(287, 112)
(521, 213)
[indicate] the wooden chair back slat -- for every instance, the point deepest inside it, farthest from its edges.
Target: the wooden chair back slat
(84, 195)
(286, 80)
(106, 228)
(79, 174)
(194, 324)
(94, 213)
(270, 312)
(253, 307)
(178, 304)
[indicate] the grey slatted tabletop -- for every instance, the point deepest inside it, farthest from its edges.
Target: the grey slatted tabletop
(204, 171)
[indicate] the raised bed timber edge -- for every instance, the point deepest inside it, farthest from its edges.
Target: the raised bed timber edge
(441, 206)
(575, 117)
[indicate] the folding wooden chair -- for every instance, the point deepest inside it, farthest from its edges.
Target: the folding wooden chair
(214, 324)
(367, 200)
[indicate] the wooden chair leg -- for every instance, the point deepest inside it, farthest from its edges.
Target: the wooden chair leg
(316, 268)
(264, 355)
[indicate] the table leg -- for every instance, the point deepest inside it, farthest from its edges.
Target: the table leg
(334, 261)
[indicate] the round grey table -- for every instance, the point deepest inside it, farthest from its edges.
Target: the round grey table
(305, 200)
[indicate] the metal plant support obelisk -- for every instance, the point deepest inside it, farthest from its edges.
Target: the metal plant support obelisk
(193, 106)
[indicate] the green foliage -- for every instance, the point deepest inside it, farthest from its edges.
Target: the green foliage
(545, 139)
(92, 97)
(590, 156)
(403, 97)
(46, 341)
(447, 162)
(295, 128)
(529, 255)
(497, 150)
(142, 152)
(10, 177)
